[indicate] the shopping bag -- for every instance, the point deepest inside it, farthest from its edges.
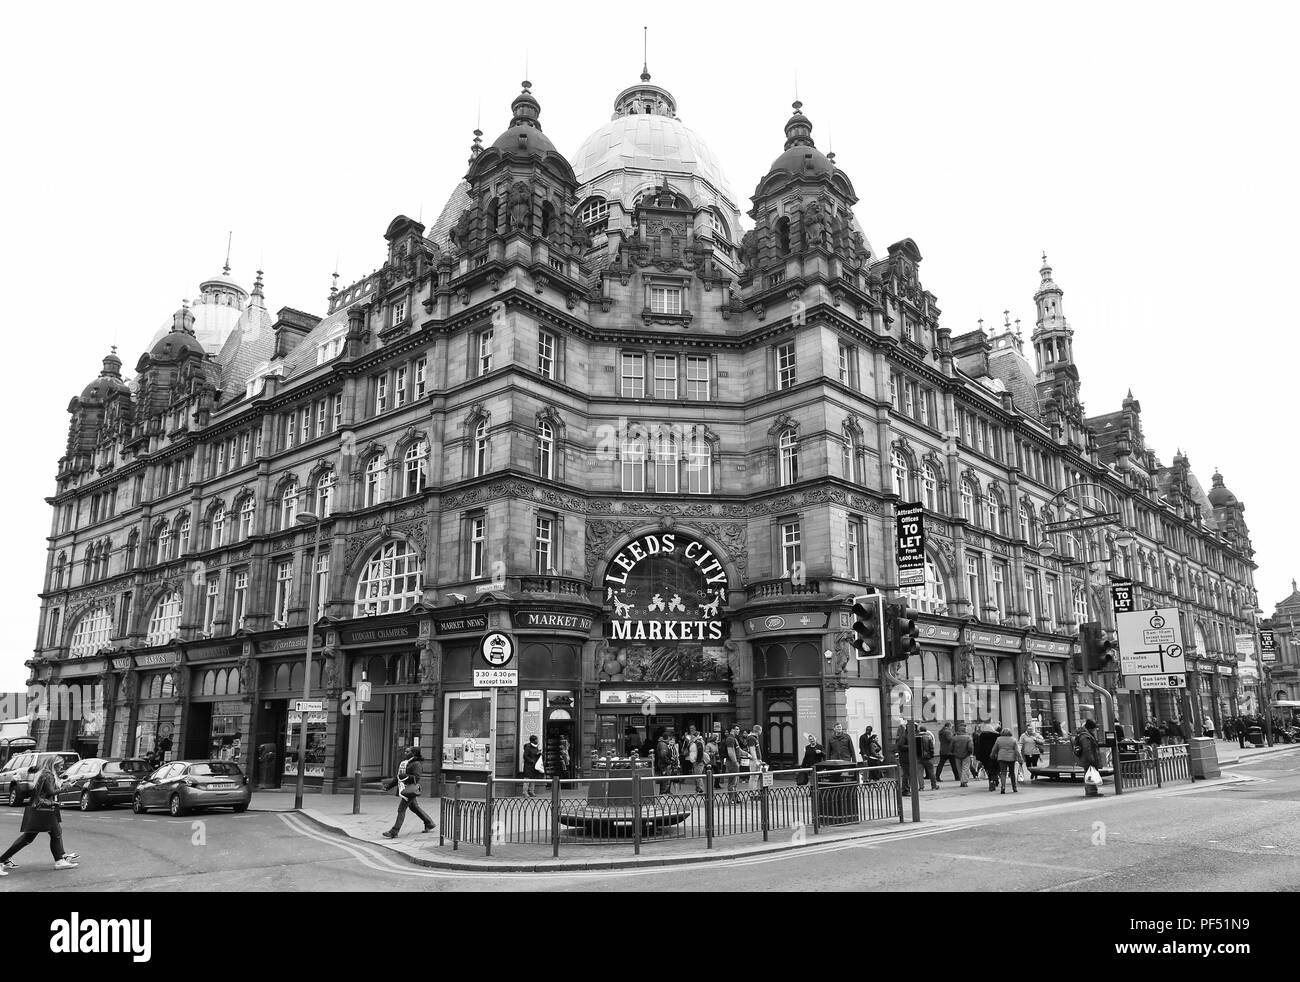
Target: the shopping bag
(1022, 772)
(1091, 776)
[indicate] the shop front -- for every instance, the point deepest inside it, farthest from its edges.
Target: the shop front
(1047, 687)
(664, 661)
(277, 722)
(467, 735)
(550, 643)
(157, 708)
(72, 707)
(787, 647)
(373, 734)
(217, 715)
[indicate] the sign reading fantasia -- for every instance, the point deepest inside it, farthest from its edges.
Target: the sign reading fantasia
(664, 586)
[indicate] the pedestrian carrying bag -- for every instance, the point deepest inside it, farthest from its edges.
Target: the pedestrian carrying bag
(537, 766)
(1092, 776)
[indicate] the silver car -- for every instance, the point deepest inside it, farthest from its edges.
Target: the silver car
(182, 785)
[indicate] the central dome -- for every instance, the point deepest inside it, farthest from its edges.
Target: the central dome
(646, 135)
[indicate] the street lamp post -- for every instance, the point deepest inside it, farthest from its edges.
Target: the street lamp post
(307, 518)
(1262, 685)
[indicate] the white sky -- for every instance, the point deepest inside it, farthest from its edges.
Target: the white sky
(1149, 148)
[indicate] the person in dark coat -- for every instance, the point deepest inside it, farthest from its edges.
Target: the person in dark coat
(1152, 734)
(1090, 753)
(42, 815)
(840, 745)
(984, 742)
(408, 790)
(812, 756)
(962, 748)
(945, 753)
(873, 755)
(532, 754)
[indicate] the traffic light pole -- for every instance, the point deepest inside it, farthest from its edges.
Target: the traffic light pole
(1114, 744)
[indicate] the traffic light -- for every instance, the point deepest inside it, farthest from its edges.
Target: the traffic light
(1100, 653)
(902, 633)
(868, 626)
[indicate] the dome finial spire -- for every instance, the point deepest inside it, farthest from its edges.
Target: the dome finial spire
(226, 268)
(645, 53)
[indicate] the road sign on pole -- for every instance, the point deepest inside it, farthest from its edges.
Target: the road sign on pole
(1150, 642)
(309, 706)
(1164, 681)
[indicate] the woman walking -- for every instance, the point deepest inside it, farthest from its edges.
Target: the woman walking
(1031, 748)
(1005, 755)
(42, 815)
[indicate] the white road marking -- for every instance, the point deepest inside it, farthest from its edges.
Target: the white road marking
(1068, 884)
(1011, 862)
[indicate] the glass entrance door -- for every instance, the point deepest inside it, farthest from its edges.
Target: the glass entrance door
(779, 728)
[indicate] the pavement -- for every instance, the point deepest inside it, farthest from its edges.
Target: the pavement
(950, 805)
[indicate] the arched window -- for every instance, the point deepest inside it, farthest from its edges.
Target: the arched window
(788, 455)
(325, 494)
(390, 581)
(289, 504)
(247, 517)
(165, 622)
(545, 450)
(665, 458)
(377, 479)
(60, 567)
(132, 549)
(699, 466)
(493, 216)
(1024, 523)
(1079, 601)
(967, 501)
(719, 225)
(414, 464)
(105, 551)
(216, 526)
(162, 542)
(632, 455)
(92, 631)
(548, 219)
(183, 536)
(783, 236)
(993, 505)
(898, 472)
(481, 448)
(932, 598)
(929, 487)
(594, 214)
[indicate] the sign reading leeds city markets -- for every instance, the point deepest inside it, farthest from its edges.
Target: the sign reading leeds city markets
(911, 545)
(664, 586)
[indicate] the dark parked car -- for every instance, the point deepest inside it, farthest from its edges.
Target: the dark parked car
(14, 782)
(96, 782)
(185, 784)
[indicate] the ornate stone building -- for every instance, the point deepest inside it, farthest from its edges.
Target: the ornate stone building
(588, 410)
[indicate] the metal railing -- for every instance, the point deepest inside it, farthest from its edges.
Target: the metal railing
(651, 808)
(1155, 766)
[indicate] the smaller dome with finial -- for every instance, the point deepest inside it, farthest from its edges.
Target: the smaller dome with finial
(801, 156)
(1219, 495)
(524, 136)
(179, 339)
(109, 381)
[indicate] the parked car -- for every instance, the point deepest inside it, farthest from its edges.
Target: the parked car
(95, 782)
(184, 784)
(13, 779)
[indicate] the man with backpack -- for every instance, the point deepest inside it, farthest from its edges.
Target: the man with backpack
(407, 784)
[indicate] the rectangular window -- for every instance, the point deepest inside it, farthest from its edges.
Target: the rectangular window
(909, 399)
(322, 583)
(791, 548)
(338, 413)
(221, 461)
(633, 461)
(245, 442)
(665, 300)
(982, 436)
(968, 429)
(239, 598)
(927, 410)
(210, 605)
(399, 387)
(665, 449)
(697, 377)
(124, 615)
(1000, 589)
(542, 543)
(257, 442)
(485, 351)
(137, 492)
(1049, 602)
(546, 354)
(895, 395)
(283, 590)
(1031, 596)
(699, 467)
(665, 376)
(842, 360)
(973, 582)
(477, 546)
(633, 376)
(785, 365)
(304, 422)
(421, 373)
(399, 312)
(381, 392)
(322, 416)
(52, 637)
(290, 429)
(853, 543)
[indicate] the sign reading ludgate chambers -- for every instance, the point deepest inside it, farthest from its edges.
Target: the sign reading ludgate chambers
(665, 586)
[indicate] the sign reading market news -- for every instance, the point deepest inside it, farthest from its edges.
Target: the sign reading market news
(666, 586)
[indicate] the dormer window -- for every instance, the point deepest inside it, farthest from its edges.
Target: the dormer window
(666, 299)
(399, 313)
(332, 346)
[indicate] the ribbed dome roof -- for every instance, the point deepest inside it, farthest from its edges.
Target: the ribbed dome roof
(645, 134)
(109, 381)
(1219, 494)
(179, 339)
